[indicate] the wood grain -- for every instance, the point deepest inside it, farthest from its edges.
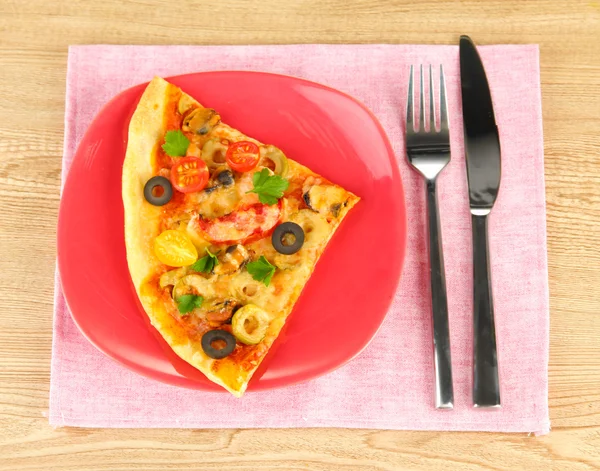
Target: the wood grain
(34, 36)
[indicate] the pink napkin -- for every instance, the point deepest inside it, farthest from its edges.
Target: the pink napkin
(390, 384)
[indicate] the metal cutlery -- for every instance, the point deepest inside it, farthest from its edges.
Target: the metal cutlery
(482, 146)
(428, 151)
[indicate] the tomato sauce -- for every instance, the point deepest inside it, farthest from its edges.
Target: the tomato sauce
(195, 328)
(244, 356)
(172, 120)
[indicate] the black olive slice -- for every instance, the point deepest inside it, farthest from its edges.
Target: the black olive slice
(279, 238)
(158, 183)
(214, 335)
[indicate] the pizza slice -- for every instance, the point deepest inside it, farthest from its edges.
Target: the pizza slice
(222, 232)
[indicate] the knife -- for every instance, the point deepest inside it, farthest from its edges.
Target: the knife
(482, 148)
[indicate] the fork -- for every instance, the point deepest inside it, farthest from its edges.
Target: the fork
(428, 151)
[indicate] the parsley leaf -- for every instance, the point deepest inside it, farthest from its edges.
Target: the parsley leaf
(207, 263)
(269, 188)
(261, 270)
(176, 143)
(188, 302)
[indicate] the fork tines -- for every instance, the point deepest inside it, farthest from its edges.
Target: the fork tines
(443, 104)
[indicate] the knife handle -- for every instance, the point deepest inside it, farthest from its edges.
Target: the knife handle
(444, 393)
(486, 385)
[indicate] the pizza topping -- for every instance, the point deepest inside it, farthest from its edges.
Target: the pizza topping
(200, 121)
(231, 261)
(225, 177)
(269, 188)
(176, 144)
(186, 303)
(218, 343)
(249, 324)
(171, 277)
(243, 156)
(219, 312)
(246, 224)
(207, 263)
(213, 152)
(174, 248)
(193, 284)
(315, 227)
(193, 150)
(261, 270)
(288, 238)
(325, 199)
(210, 189)
(243, 187)
(275, 159)
(158, 191)
(185, 103)
(306, 198)
(222, 177)
(189, 174)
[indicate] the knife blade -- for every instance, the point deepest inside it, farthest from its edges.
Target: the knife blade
(482, 143)
(482, 150)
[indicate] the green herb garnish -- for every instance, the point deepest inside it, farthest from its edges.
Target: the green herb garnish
(207, 263)
(269, 188)
(261, 270)
(188, 302)
(176, 144)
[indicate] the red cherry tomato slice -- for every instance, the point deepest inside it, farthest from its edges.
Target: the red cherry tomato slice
(243, 156)
(189, 174)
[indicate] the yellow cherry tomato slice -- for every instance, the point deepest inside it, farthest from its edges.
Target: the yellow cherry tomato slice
(175, 248)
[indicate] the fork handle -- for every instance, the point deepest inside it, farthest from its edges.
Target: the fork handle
(444, 393)
(486, 386)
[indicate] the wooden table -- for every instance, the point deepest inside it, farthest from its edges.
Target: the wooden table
(34, 36)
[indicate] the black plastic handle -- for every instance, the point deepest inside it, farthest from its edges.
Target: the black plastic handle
(486, 385)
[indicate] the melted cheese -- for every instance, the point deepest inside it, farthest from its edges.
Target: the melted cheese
(316, 228)
(215, 204)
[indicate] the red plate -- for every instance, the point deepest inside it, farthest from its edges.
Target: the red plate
(352, 287)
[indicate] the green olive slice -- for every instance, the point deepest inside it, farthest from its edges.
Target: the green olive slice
(213, 153)
(278, 158)
(249, 324)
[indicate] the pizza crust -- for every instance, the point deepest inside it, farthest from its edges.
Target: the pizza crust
(145, 130)
(142, 225)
